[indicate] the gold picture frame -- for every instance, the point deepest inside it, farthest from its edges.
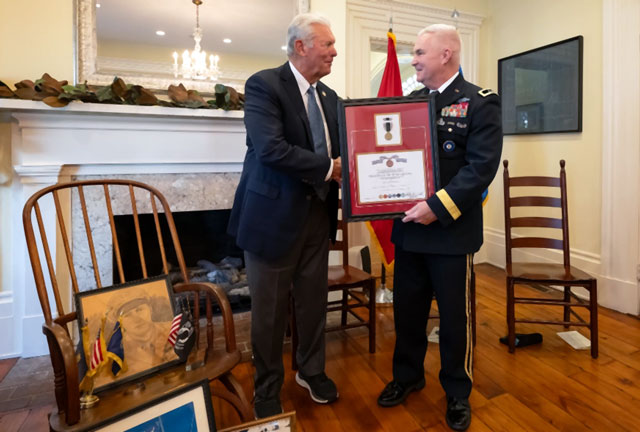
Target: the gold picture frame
(285, 422)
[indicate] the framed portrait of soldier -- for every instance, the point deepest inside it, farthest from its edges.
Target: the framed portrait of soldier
(126, 332)
(389, 160)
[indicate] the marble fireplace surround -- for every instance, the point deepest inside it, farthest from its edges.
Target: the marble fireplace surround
(194, 157)
(184, 192)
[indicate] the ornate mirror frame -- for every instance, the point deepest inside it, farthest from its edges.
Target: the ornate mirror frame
(86, 55)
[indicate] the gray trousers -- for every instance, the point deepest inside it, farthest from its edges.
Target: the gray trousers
(302, 273)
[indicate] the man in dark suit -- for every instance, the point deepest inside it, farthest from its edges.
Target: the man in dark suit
(435, 241)
(285, 209)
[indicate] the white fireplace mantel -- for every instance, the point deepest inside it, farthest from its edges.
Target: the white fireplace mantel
(95, 135)
(49, 145)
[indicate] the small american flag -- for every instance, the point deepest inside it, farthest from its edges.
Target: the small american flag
(175, 326)
(97, 357)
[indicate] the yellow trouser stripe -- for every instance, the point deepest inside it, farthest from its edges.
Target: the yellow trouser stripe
(448, 203)
(468, 361)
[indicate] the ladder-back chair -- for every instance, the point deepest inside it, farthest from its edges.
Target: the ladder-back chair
(94, 201)
(357, 288)
(547, 210)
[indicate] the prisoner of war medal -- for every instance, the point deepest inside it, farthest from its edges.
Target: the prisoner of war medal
(388, 130)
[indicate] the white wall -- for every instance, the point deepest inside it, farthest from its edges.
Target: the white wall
(603, 161)
(336, 11)
(35, 37)
(516, 27)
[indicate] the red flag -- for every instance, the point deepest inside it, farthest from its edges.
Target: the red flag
(391, 85)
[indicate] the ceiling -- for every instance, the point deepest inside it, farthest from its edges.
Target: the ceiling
(255, 27)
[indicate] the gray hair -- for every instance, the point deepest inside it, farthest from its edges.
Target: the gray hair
(301, 29)
(438, 28)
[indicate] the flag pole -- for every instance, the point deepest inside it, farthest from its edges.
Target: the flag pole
(380, 230)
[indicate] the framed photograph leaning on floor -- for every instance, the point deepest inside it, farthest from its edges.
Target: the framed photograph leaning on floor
(285, 422)
(185, 410)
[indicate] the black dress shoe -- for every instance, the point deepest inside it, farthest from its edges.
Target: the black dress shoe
(395, 392)
(458, 413)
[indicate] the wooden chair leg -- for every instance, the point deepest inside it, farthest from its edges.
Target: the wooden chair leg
(511, 321)
(238, 399)
(372, 316)
(345, 306)
(593, 319)
(567, 309)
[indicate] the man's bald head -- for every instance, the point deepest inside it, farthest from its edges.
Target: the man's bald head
(436, 54)
(447, 37)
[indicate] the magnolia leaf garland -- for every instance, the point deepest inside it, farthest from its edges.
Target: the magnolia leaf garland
(59, 93)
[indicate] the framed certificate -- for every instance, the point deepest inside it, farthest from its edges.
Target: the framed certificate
(389, 156)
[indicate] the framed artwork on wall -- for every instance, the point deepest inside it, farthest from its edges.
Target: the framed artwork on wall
(541, 89)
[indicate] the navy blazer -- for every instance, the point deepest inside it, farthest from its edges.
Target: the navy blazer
(469, 130)
(280, 166)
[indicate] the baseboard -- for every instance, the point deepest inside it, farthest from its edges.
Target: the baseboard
(620, 295)
(34, 341)
(494, 253)
(8, 342)
(20, 337)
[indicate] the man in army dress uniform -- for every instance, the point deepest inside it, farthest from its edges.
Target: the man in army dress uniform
(435, 241)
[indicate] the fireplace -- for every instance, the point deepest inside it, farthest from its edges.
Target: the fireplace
(210, 254)
(194, 157)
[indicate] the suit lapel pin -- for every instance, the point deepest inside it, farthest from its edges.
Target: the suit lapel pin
(323, 93)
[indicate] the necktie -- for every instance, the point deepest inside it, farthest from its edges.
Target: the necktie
(317, 133)
(317, 125)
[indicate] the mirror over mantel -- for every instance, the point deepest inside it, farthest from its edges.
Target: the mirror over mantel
(118, 38)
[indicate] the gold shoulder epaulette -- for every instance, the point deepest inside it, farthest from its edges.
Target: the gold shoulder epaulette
(486, 92)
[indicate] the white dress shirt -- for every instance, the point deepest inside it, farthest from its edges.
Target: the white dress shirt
(446, 83)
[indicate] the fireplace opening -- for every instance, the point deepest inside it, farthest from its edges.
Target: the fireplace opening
(210, 254)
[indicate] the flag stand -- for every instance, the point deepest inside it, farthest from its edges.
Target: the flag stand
(88, 400)
(383, 295)
(197, 359)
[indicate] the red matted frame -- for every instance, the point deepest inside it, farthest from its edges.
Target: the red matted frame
(383, 142)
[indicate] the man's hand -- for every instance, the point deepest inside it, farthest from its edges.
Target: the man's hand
(420, 213)
(336, 174)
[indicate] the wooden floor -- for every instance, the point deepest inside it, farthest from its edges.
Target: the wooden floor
(548, 387)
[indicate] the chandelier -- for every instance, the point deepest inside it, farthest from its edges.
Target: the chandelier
(194, 63)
